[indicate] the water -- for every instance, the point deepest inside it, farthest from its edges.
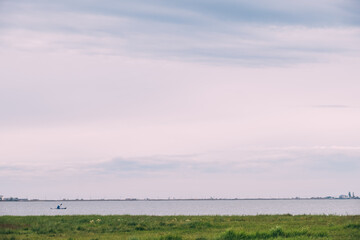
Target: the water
(182, 207)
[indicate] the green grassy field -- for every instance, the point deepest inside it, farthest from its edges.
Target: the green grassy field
(180, 227)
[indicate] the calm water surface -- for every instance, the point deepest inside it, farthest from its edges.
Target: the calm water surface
(188, 207)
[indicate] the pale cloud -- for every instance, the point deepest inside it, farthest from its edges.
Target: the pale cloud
(331, 106)
(258, 173)
(333, 160)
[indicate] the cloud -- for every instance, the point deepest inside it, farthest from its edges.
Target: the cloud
(320, 13)
(332, 106)
(131, 166)
(238, 32)
(336, 163)
(258, 172)
(266, 161)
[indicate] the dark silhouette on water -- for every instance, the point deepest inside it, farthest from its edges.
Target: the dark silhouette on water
(59, 207)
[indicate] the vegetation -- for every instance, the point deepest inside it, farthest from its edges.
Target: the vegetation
(127, 227)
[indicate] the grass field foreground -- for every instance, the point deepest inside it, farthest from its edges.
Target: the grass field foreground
(180, 227)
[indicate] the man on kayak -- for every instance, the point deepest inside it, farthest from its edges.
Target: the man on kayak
(58, 206)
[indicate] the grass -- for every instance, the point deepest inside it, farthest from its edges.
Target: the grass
(93, 227)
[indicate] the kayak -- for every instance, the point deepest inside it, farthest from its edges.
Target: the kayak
(59, 208)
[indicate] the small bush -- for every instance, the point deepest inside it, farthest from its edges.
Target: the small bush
(199, 225)
(11, 238)
(171, 237)
(80, 228)
(6, 231)
(320, 234)
(353, 226)
(231, 235)
(139, 228)
(274, 233)
(277, 232)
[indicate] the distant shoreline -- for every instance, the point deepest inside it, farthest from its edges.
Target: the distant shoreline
(169, 200)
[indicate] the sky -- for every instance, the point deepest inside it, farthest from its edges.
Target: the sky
(179, 99)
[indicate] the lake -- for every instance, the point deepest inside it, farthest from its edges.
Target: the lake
(185, 207)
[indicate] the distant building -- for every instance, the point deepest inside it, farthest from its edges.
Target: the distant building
(1, 197)
(343, 196)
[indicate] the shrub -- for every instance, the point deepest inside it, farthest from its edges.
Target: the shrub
(171, 237)
(277, 232)
(353, 226)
